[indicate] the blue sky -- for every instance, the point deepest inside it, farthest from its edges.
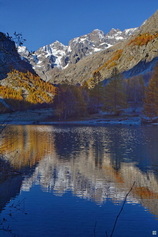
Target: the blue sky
(42, 22)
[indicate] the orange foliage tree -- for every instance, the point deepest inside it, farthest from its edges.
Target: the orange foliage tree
(27, 87)
(143, 39)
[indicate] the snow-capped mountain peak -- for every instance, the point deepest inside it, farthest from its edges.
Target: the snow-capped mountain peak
(23, 51)
(130, 31)
(58, 55)
(116, 35)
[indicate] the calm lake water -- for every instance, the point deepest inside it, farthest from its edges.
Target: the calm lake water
(72, 181)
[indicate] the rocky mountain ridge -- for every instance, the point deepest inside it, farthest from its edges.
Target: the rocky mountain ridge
(59, 56)
(136, 55)
(132, 51)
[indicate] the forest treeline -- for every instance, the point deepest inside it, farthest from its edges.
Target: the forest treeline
(20, 91)
(113, 96)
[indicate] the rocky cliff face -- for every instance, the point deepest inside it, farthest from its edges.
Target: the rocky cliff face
(56, 56)
(10, 59)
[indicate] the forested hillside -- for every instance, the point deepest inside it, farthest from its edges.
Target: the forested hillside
(19, 91)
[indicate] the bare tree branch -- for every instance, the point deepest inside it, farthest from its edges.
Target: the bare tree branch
(125, 199)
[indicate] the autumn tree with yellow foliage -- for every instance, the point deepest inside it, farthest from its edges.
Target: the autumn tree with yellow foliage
(22, 90)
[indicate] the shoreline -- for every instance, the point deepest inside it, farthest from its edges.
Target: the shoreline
(45, 117)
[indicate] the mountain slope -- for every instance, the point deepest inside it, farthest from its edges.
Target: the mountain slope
(127, 55)
(56, 56)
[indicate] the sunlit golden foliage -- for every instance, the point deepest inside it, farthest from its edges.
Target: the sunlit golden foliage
(28, 87)
(7, 92)
(112, 61)
(90, 83)
(143, 39)
(109, 64)
(112, 64)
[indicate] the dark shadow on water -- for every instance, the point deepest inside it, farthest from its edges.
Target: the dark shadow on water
(11, 181)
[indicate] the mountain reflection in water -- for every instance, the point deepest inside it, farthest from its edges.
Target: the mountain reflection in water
(96, 163)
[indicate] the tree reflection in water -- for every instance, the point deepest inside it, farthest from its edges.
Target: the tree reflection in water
(94, 163)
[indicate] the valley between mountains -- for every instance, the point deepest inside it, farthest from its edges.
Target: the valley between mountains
(97, 77)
